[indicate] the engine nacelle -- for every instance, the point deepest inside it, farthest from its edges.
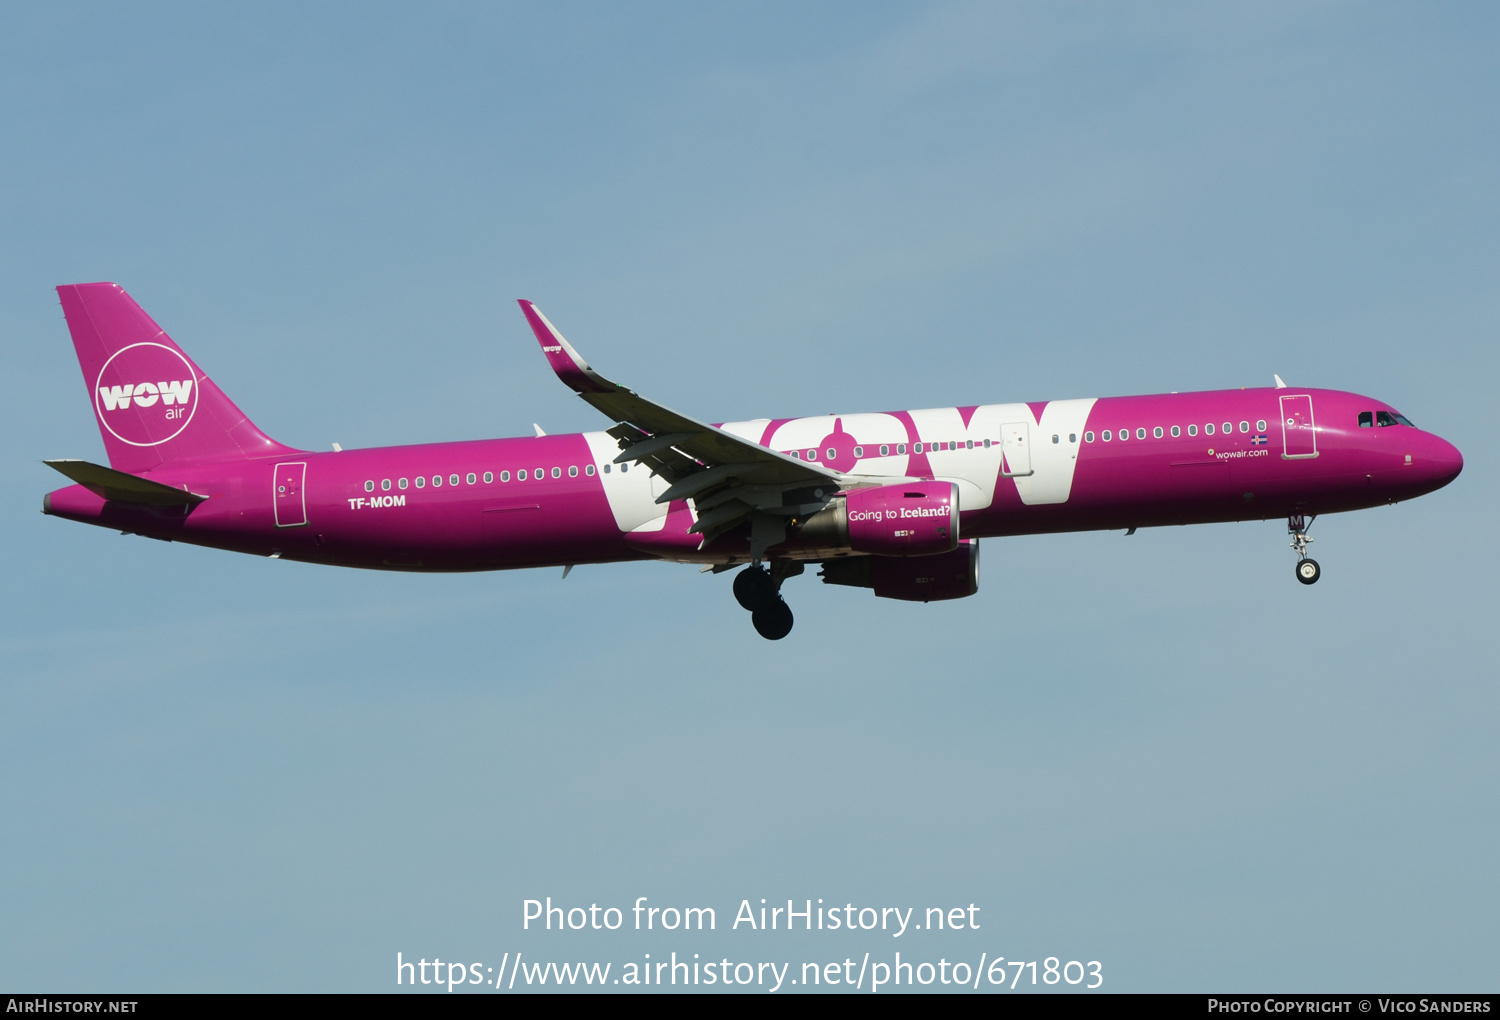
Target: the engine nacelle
(950, 575)
(917, 519)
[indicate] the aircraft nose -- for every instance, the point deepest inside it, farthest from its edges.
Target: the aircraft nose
(1444, 462)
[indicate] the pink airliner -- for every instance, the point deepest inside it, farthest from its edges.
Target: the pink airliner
(895, 501)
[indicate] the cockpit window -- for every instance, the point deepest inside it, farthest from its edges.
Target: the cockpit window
(1366, 419)
(1384, 418)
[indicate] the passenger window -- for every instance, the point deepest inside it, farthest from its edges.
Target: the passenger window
(1176, 431)
(521, 475)
(539, 473)
(606, 469)
(796, 455)
(369, 486)
(833, 454)
(453, 479)
(1228, 427)
(916, 447)
(421, 482)
(471, 478)
(900, 448)
(557, 472)
(489, 476)
(812, 454)
(986, 444)
(1088, 437)
(1260, 426)
(859, 451)
(1140, 433)
(1157, 432)
(1105, 435)
(437, 481)
(1208, 429)
(1192, 430)
(1054, 439)
(885, 451)
(1244, 426)
(589, 470)
(401, 483)
(969, 444)
(572, 470)
(385, 483)
(505, 476)
(1366, 419)
(1072, 437)
(624, 468)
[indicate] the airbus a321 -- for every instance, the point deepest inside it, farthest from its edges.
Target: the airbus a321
(896, 501)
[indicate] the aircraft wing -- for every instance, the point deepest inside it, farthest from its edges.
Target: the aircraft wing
(729, 478)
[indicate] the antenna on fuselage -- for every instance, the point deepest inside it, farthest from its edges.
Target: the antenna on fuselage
(1279, 384)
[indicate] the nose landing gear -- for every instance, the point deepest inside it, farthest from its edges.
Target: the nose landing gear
(759, 591)
(1308, 570)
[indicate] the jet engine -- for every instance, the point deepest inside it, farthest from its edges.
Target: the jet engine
(916, 519)
(949, 575)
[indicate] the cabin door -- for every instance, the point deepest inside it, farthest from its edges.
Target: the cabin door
(289, 499)
(1298, 435)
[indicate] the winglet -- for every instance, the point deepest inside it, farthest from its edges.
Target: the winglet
(565, 361)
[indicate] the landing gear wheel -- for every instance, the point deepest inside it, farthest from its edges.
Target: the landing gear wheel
(1308, 571)
(754, 589)
(773, 622)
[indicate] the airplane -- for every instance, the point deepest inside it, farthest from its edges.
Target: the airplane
(896, 502)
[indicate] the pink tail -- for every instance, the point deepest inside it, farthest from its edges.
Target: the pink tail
(153, 403)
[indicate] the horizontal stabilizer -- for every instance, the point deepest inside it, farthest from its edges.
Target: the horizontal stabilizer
(107, 483)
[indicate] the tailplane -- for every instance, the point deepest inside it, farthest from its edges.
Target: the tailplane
(153, 404)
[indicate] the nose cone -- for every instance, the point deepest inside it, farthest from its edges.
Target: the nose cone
(1444, 462)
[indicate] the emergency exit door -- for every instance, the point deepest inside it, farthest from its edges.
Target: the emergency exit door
(1015, 445)
(288, 497)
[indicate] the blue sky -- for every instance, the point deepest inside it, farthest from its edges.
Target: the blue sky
(1157, 752)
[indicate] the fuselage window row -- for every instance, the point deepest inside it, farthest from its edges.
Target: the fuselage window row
(472, 478)
(900, 448)
(1159, 431)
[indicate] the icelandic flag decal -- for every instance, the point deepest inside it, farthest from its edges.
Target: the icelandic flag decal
(1259, 440)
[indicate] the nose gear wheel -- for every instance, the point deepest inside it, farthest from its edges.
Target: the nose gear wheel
(1308, 570)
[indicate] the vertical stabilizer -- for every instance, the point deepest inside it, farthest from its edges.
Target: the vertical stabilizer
(153, 404)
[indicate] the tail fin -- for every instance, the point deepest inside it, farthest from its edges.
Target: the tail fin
(152, 402)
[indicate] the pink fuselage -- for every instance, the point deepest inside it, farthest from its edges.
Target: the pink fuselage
(362, 508)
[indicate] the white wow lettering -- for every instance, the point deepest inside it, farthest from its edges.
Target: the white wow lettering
(118, 398)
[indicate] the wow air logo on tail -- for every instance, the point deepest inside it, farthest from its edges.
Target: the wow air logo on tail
(146, 394)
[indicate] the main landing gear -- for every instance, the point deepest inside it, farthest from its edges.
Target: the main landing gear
(1308, 570)
(759, 591)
